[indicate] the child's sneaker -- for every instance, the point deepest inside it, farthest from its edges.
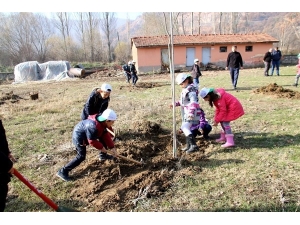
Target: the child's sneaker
(63, 176)
(104, 156)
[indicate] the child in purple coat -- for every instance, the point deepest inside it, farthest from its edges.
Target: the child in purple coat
(202, 127)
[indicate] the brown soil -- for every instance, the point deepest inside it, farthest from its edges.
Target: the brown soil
(120, 184)
(278, 91)
(11, 97)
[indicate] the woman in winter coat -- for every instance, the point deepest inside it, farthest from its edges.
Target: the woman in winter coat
(228, 108)
(267, 61)
(97, 101)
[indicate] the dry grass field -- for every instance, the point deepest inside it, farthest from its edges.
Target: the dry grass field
(260, 174)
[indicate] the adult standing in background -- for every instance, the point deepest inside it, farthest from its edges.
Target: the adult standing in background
(276, 57)
(126, 71)
(133, 73)
(234, 63)
(267, 61)
(196, 73)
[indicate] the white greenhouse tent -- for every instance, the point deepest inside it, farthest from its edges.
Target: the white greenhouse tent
(34, 71)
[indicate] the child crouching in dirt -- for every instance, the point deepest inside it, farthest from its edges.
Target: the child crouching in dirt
(91, 131)
(228, 108)
(190, 107)
(202, 127)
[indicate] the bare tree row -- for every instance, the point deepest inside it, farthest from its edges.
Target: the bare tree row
(80, 36)
(95, 36)
(283, 26)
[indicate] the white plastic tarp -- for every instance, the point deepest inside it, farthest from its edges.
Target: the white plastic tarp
(27, 71)
(33, 71)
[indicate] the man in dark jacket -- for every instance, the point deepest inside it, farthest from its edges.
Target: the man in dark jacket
(235, 63)
(92, 131)
(267, 61)
(126, 70)
(133, 73)
(276, 57)
(97, 101)
(6, 167)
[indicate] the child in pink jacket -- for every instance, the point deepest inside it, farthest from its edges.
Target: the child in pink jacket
(298, 72)
(228, 108)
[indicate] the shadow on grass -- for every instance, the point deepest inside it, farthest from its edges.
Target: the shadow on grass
(242, 88)
(18, 205)
(211, 163)
(267, 208)
(250, 140)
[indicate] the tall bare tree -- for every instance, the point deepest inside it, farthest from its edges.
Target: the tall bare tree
(153, 24)
(192, 23)
(24, 37)
(92, 24)
(199, 22)
(108, 24)
(63, 25)
(220, 22)
(80, 27)
(41, 31)
(182, 23)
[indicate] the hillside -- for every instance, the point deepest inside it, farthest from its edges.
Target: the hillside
(281, 25)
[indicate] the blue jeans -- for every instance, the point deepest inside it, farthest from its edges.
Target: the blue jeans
(134, 78)
(196, 82)
(128, 76)
(234, 74)
(275, 64)
(80, 157)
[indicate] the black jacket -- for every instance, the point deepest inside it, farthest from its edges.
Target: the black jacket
(268, 57)
(94, 105)
(126, 68)
(196, 71)
(5, 162)
(234, 60)
(133, 69)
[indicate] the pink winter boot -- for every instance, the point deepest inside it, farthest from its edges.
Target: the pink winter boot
(229, 141)
(222, 137)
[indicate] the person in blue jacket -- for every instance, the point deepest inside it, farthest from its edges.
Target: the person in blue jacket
(97, 102)
(276, 57)
(6, 167)
(91, 131)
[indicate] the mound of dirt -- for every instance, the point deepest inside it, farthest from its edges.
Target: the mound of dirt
(120, 185)
(278, 91)
(11, 97)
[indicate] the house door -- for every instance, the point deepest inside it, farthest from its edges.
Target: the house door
(205, 56)
(165, 64)
(190, 56)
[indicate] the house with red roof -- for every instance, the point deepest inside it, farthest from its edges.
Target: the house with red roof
(152, 55)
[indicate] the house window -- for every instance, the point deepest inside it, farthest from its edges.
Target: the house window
(223, 49)
(249, 48)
